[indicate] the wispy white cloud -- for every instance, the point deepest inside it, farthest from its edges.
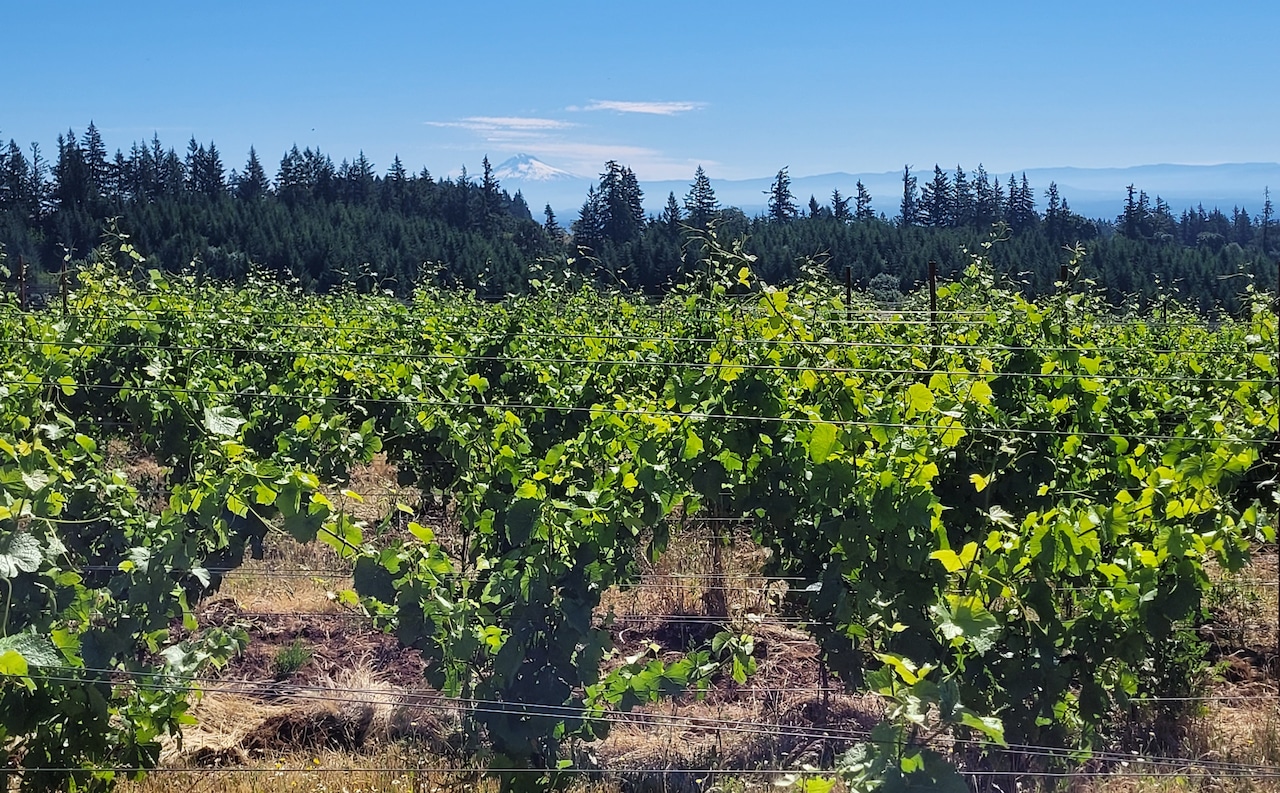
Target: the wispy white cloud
(504, 124)
(553, 140)
(647, 108)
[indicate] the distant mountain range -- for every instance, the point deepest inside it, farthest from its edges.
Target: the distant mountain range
(1092, 192)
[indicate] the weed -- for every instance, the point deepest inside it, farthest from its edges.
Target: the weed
(290, 659)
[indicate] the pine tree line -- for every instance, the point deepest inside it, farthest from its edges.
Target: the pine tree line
(1197, 256)
(316, 221)
(330, 225)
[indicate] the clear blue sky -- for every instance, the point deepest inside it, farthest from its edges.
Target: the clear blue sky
(742, 87)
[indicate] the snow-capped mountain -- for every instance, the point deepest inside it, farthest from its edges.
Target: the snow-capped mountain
(526, 168)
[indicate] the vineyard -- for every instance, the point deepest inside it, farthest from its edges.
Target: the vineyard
(1000, 526)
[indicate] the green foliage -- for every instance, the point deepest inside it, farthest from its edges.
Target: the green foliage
(95, 577)
(1001, 529)
(290, 659)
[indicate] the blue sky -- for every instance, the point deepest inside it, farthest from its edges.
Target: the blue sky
(742, 87)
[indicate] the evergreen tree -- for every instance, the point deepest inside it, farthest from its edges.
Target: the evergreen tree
(210, 180)
(1053, 213)
(909, 210)
(840, 207)
(1241, 227)
(518, 208)
(552, 227)
(117, 185)
(321, 176)
(204, 171)
(1189, 225)
(621, 208)
(962, 200)
(396, 174)
(936, 200)
(37, 188)
(671, 215)
(193, 164)
(489, 189)
(137, 175)
(290, 178)
(95, 161)
(701, 202)
(997, 197)
(1164, 225)
(986, 199)
(395, 187)
(70, 174)
(1020, 210)
(1268, 214)
(862, 203)
(815, 209)
(15, 184)
(588, 229)
(1135, 220)
(361, 180)
(782, 205)
(158, 156)
(253, 183)
(172, 175)
(633, 198)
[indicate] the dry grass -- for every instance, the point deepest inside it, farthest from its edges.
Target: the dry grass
(292, 578)
(709, 569)
(1240, 723)
(377, 495)
(360, 729)
(141, 471)
(396, 769)
(1243, 606)
(304, 578)
(354, 710)
(1243, 732)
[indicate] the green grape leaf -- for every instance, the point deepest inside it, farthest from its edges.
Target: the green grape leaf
(139, 559)
(372, 580)
(989, 726)
(968, 621)
(692, 446)
(1002, 516)
(33, 649)
(21, 555)
(225, 421)
(343, 535)
(424, 534)
(12, 664)
(949, 558)
(954, 561)
(36, 480)
(980, 392)
(822, 442)
(919, 397)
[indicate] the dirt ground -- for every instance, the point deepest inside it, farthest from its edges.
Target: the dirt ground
(321, 700)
